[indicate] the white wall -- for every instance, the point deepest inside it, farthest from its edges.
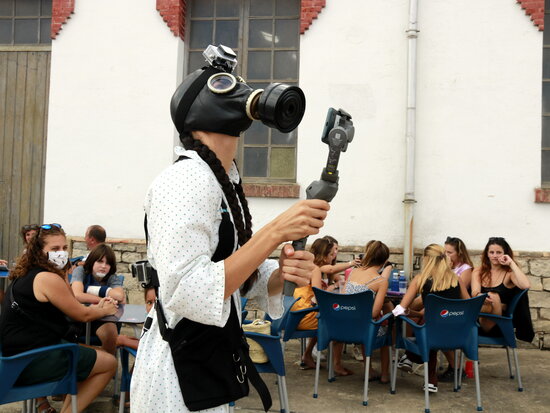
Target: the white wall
(478, 120)
(478, 131)
(114, 69)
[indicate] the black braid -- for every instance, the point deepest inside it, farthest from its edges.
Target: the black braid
(244, 230)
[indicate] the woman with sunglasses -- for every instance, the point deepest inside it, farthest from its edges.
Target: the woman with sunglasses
(500, 277)
(93, 281)
(40, 287)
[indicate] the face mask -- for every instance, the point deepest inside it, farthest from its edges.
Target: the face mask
(212, 99)
(100, 274)
(58, 258)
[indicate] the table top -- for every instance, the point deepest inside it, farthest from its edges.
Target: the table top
(133, 314)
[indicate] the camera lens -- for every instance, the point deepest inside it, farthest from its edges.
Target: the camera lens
(282, 106)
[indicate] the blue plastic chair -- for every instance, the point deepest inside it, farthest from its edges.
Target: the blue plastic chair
(508, 337)
(278, 325)
(290, 327)
(275, 364)
(244, 312)
(348, 318)
(126, 375)
(11, 368)
(449, 325)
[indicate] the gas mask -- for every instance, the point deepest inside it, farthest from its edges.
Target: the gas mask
(212, 99)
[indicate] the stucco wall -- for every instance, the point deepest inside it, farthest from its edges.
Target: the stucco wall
(114, 69)
(478, 131)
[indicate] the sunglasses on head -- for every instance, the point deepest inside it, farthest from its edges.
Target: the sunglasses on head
(497, 239)
(451, 239)
(30, 227)
(50, 226)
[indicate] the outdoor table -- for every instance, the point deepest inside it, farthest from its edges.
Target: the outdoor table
(134, 314)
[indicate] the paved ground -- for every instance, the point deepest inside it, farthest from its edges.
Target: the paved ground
(499, 393)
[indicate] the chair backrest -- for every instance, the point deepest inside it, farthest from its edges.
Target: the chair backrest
(272, 347)
(452, 323)
(509, 312)
(279, 324)
(343, 317)
(11, 368)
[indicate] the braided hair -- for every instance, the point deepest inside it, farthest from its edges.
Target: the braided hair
(233, 193)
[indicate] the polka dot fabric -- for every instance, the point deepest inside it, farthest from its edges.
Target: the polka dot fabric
(183, 216)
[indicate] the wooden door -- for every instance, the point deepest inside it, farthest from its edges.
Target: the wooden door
(24, 88)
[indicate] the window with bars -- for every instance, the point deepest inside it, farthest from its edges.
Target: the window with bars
(265, 34)
(545, 156)
(25, 22)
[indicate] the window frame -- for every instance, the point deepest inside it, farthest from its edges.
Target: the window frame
(242, 54)
(41, 43)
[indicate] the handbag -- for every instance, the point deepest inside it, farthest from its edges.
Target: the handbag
(257, 353)
(212, 363)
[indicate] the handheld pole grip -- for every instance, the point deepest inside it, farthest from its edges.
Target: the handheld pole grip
(289, 286)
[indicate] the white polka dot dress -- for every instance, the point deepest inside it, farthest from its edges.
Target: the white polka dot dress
(183, 207)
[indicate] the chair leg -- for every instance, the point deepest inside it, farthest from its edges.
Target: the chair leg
(74, 403)
(317, 369)
(302, 349)
(478, 389)
(509, 363)
(281, 395)
(121, 402)
(366, 384)
(426, 391)
(455, 389)
(331, 376)
(461, 365)
(394, 368)
(284, 400)
(520, 386)
(391, 365)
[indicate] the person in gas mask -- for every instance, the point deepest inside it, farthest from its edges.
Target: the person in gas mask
(191, 356)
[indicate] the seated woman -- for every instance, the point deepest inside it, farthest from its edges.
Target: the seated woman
(95, 280)
(41, 289)
(436, 278)
(330, 269)
(27, 232)
(500, 277)
(367, 277)
(320, 249)
(462, 266)
(461, 263)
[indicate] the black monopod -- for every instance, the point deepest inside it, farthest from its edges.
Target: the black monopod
(337, 133)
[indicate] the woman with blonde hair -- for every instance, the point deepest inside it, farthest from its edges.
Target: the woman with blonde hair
(437, 278)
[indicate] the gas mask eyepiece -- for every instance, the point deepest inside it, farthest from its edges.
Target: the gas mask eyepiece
(212, 99)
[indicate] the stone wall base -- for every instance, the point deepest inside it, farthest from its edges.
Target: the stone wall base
(535, 264)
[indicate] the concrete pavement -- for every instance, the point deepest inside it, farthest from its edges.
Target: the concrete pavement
(499, 393)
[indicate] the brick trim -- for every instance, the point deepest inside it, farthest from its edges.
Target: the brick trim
(535, 9)
(272, 190)
(310, 9)
(61, 12)
(173, 13)
(542, 195)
